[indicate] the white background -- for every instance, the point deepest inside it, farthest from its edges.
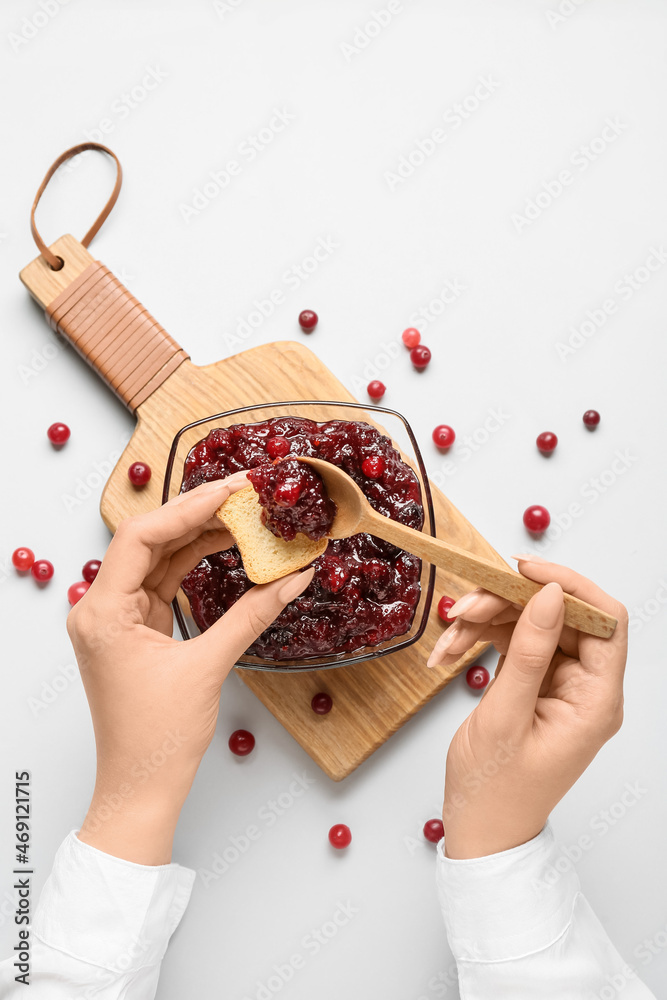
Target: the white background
(356, 113)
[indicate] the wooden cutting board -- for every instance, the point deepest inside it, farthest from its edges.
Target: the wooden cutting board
(371, 699)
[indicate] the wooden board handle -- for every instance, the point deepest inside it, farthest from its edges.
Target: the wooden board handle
(498, 579)
(103, 321)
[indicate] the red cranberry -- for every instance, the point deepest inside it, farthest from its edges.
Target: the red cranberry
(220, 439)
(537, 519)
(277, 447)
(308, 320)
(139, 473)
(444, 436)
(332, 574)
(241, 742)
(444, 605)
(373, 467)
(90, 570)
(591, 419)
(322, 703)
(411, 337)
(286, 494)
(434, 830)
(42, 570)
(200, 452)
(76, 591)
(229, 558)
(23, 559)
(546, 442)
(376, 389)
(376, 570)
(477, 678)
(58, 434)
(420, 357)
(340, 836)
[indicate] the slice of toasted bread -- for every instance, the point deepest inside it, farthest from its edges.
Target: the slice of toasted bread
(265, 557)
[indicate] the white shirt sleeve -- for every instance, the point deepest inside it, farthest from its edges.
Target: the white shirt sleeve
(519, 928)
(101, 927)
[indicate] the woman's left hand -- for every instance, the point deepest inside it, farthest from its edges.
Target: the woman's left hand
(154, 700)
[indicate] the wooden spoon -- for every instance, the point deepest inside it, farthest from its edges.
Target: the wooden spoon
(355, 514)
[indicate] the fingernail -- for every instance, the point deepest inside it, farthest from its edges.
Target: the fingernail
(529, 557)
(236, 477)
(442, 645)
(212, 488)
(464, 603)
(546, 606)
(295, 584)
(435, 660)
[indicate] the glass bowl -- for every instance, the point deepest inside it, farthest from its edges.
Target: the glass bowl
(397, 428)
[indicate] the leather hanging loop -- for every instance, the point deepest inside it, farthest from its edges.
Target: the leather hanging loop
(55, 263)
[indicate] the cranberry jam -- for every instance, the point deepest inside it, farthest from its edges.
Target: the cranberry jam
(365, 590)
(294, 499)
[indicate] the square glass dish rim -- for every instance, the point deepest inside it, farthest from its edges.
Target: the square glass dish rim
(333, 660)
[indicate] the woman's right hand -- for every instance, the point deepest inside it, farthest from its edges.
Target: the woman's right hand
(556, 698)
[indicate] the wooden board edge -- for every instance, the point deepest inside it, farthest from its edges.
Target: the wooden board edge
(345, 770)
(44, 284)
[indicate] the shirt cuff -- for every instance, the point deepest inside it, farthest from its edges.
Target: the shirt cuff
(108, 911)
(507, 905)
